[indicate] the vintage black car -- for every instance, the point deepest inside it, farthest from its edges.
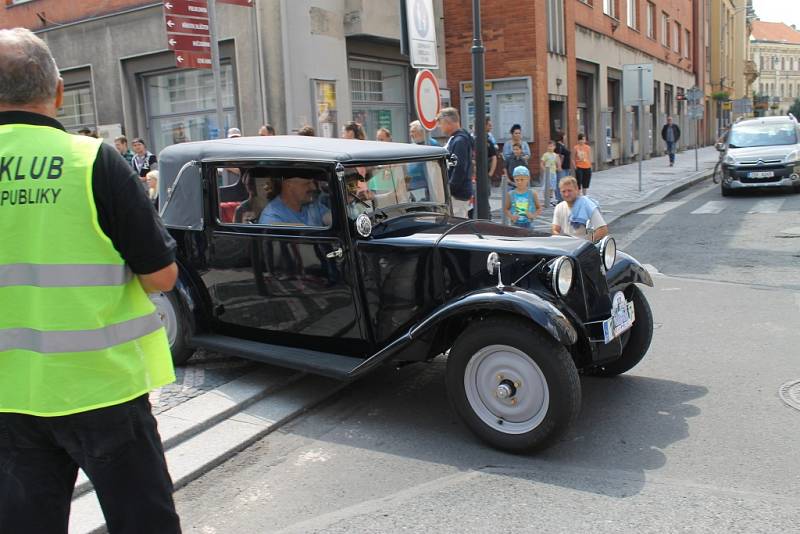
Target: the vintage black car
(338, 256)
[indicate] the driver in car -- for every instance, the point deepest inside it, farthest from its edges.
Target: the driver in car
(297, 205)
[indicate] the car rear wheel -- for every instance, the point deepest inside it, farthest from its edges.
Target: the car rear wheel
(170, 311)
(635, 341)
(514, 386)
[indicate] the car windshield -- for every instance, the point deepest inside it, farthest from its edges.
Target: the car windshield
(371, 188)
(762, 134)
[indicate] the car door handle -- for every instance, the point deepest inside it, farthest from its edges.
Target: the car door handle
(338, 253)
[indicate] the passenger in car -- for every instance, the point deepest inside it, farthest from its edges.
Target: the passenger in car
(296, 205)
(250, 209)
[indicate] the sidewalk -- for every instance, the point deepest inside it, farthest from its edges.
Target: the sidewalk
(617, 189)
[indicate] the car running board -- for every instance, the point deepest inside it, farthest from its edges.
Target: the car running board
(319, 363)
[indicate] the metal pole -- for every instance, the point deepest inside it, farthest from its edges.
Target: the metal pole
(641, 124)
(696, 142)
(215, 68)
(482, 210)
(260, 54)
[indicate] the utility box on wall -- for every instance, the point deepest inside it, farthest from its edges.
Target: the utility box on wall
(509, 101)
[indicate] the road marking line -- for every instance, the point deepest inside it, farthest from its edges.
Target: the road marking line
(767, 206)
(664, 207)
(711, 207)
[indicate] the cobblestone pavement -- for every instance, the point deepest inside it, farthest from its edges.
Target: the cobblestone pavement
(204, 372)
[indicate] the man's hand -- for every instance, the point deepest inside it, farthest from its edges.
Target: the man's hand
(555, 229)
(600, 233)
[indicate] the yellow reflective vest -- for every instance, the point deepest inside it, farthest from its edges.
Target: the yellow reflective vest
(77, 331)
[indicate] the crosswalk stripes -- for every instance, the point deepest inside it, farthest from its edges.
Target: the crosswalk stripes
(711, 207)
(664, 207)
(767, 206)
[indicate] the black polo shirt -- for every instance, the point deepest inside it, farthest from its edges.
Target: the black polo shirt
(124, 212)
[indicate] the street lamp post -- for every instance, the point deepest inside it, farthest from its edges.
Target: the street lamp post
(482, 210)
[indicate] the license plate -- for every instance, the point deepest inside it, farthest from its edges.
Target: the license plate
(761, 174)
(622, 317)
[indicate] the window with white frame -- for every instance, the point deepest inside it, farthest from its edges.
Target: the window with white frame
(610, 8)
(182, 106)
(555, 26)
(379, 97)
(651, 20)
(77, 110)
(676, 37)
(665, 29)
(687, 44)
(633, 14)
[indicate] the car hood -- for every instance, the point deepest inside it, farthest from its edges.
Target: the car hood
(767, 154)
(455, 233)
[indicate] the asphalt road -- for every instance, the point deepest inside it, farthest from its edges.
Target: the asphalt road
(695, 439)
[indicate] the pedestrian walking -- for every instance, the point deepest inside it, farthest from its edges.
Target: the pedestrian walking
(577, 215)
(353, 130)
(516, 137)
(121, 143)
(550, 165)
(521, 204)
(418, 135)
(143, 161)
(583, 164)
(566, 161)
(84, 345)
(670, 133)
(459, 176)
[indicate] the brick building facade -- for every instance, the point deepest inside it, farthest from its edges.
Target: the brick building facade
(570, 55)
(286, 62)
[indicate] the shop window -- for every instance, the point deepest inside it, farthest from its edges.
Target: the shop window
(379, 95)
(182, 106)
(77, 111)
(613, 106)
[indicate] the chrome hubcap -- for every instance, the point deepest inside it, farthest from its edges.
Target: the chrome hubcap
(506, 389)
(166, 313)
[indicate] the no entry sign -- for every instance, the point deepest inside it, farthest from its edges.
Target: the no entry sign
(427, 101)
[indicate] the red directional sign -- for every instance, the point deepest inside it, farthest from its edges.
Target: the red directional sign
(193, 60)
(196, 43)
(187, 25)
(245, 3)
(189, 8)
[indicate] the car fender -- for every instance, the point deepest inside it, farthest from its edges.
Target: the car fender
(626, 271)
(506, 299)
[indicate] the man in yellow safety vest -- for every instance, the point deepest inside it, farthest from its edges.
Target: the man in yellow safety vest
(80, 344)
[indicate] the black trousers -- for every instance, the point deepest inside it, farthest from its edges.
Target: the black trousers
(118, 448)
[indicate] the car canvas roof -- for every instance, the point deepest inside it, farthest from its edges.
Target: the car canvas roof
(295, 148)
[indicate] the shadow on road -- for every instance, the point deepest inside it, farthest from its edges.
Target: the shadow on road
(625, 424)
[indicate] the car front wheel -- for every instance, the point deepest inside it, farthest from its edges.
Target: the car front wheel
(170, 312)
(514, 386)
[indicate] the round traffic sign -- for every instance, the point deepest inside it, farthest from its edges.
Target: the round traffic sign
(427, 101)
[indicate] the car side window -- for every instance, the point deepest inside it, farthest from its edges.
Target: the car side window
(274, 197)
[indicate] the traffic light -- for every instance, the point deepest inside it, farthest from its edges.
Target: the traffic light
(680, 97)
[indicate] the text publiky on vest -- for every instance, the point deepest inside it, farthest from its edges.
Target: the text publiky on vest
(22, 179)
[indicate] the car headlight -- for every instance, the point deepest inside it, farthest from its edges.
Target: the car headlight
(792, 157)
(608, 251)
(561, 277)
(729, 160)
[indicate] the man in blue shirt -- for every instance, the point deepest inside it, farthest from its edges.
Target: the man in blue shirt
(296, 205)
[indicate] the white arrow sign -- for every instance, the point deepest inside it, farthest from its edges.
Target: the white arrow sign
(172, 42)
(179, 58)
(170, 23)
(167, 5)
